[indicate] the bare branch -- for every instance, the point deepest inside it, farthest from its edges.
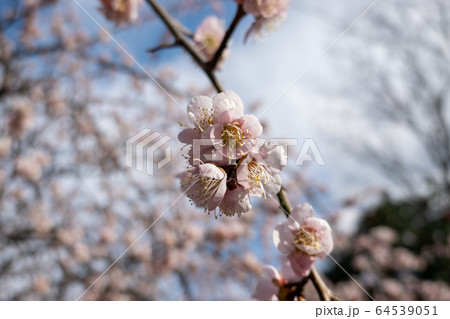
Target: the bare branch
(324, 292)
(164, 46)
(173, 26)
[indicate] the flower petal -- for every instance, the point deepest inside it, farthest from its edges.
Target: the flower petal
(287, 271)
(283, 238)
(251, 126)
(200, 111)
(235, 201)
(188, 135)
(266, 291)
(226, 101)
(274, 155)
(301, 213)
(301, 263)
(211, 171)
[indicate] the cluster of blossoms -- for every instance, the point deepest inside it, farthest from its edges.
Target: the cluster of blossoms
(208, 36)
(121, 11)
(228, 162)
(267, 13)
(301, 238)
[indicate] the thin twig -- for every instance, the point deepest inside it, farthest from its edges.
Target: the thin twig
(164, 46)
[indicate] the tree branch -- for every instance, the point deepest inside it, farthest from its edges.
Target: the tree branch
(324, 292)
(179, 35)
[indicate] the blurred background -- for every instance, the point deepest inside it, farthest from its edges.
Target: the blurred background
(376, 105)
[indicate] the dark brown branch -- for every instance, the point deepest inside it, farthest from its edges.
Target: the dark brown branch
(211, 65)
(179, 35)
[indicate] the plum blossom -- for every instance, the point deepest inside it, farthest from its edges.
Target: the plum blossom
(259, 171)
(205, 185)
(267, 9)
(277, 285)
(235, 134)
(200, 113)
(121, 11)
(303, 237)
(267, 13)
(209, 36)
(203, 112)
(236, 201)
(232, 164)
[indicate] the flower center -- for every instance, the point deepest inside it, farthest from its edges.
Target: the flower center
(259, 175)
(233, 136)
(306, 236)
(210, 43)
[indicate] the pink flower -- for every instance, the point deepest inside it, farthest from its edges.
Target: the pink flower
(267, 13)
(235, 201)
(209, 36)
(214, 184)
(233, 134)
(203, 111)
(301, 263)
(121, 11)
(267, 9)
(258, 172)
(303, 237)
(200, 113)
(205, 185)
(276, 286)
(267, 289)
(226, 101)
